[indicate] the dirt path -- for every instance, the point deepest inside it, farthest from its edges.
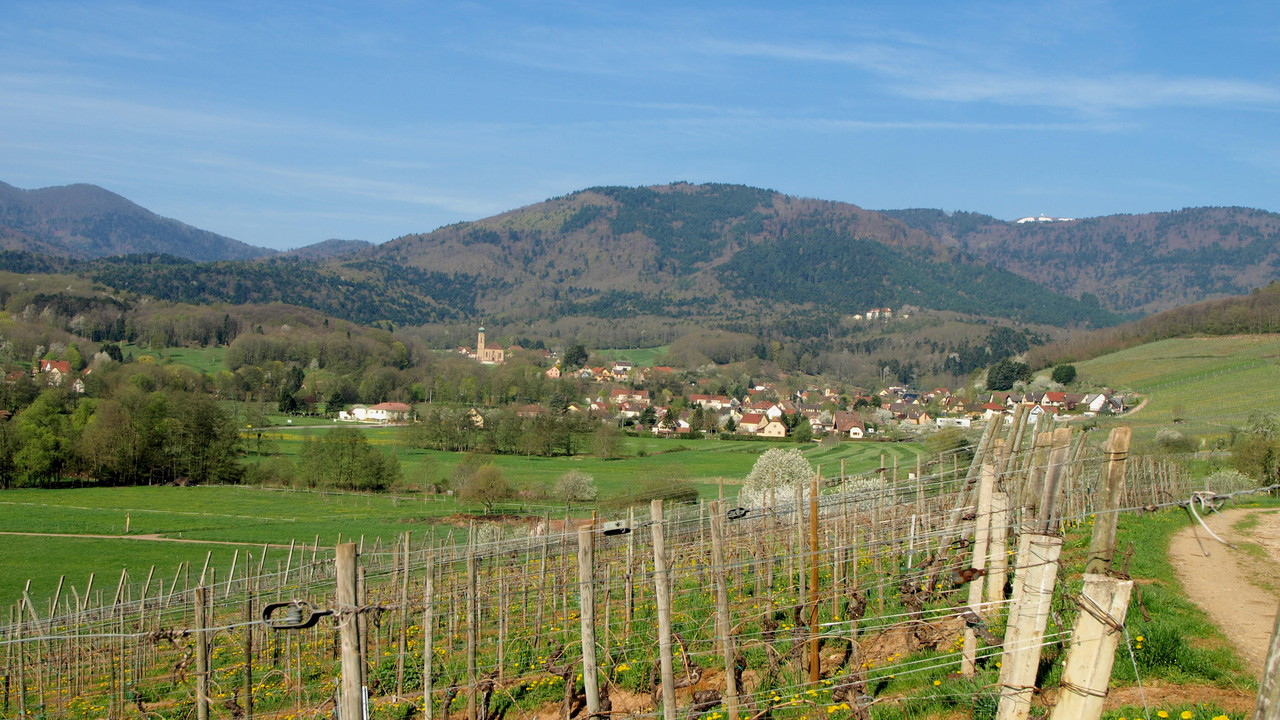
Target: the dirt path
(1238, 588)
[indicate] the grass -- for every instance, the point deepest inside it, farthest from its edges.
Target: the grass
(206, 359)
(1213, 383)
(255, 516)
(703, 462)
(640, 357)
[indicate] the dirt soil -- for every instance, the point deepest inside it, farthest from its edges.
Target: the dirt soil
(1239, 588)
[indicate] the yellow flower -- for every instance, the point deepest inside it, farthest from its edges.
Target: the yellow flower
(1162, 714)
(937, 682)
(1140, 639)
(1186, 715)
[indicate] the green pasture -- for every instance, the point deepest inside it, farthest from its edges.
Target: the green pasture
(201, 359)
(253, 516)
(705, 462)
(1212, 383)
(640, 357)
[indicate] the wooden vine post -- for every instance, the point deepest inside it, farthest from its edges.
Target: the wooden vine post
(587, 615)
(428, 632)
(1104, 602)
(202, 653)
(662, 595)
(981, 540)
(723, 621)
(1038, 553)
(1268, 707)
(815, 661)
(350, 700)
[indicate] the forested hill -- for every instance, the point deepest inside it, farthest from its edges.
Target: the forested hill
(86, 221)
(722, 250)
(1131, 263)
(727, 255)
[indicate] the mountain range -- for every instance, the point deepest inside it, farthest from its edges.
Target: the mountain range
(725, 253)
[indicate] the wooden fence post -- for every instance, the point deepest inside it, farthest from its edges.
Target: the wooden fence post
(202, 653)
(981, 542)
(1268, 707)
(428, 632)
(662, 594)
(473, 635)
(815, 662)
(723, 622)
(1102, 547)
(350, 701)
(1038, 555)
(1037, 573)
(998, 557)
(1103, 605)
(587, 616)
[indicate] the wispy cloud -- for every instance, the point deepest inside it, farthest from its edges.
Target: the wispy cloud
(927, 74)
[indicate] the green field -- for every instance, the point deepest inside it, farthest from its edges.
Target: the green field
(206, 359)
(640, 357)
(1213, 383)
(255, 515)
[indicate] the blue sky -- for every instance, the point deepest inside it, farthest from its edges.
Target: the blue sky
(286, 123)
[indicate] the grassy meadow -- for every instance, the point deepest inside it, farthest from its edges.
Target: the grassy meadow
(1211, 383)
(211, 516)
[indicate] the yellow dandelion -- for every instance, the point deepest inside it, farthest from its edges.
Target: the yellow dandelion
(1186, 715)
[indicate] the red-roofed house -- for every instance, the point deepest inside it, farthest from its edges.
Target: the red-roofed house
(55, 371)
(387, 412)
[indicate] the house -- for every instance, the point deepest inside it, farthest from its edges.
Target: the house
(773, 429)
(751, 423)
(960, 421)
(55, 371)
(627, 395)
(710, 402)
(553, 372)
(851, 424)
(993, 409)
(388, 412)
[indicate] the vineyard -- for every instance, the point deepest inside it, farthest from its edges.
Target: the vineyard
(939, 590)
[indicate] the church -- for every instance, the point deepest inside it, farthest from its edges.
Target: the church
(490, 353)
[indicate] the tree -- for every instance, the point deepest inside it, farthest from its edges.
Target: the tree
(343, 458)
(575, 486)
(1256, 451)
(1006, 373)
(1064, 374)
(606, 442)
(778, 470)
(487, 486)
(575, 356)
(804, 431)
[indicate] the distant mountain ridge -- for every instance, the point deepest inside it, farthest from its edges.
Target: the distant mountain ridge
(727, 255)
(1131, 263)
(86, 221)
(720, 250)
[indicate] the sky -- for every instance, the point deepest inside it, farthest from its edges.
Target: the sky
(282, 124)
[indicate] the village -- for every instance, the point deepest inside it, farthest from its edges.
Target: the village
(765, 411)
